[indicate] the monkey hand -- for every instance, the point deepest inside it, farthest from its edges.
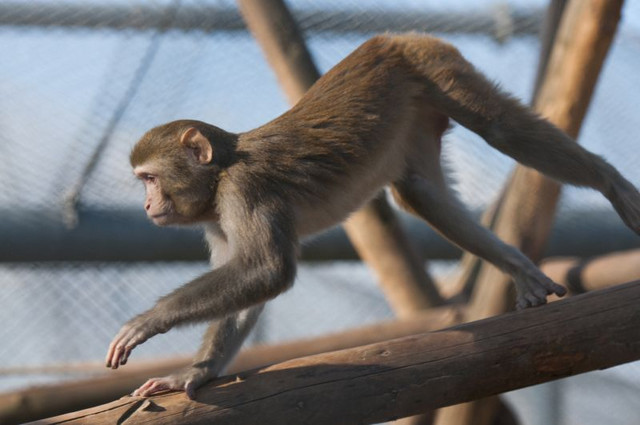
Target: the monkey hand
(533, 286)
(133, 333)
(187, 380)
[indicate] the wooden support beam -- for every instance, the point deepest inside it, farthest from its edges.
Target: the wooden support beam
(377, 235)
(527, 207)
(380, 382)
(525, 217)
(374, 230)
(582, 275)
(470, 264)
(550, 26)
(49, 400)
(491, 410)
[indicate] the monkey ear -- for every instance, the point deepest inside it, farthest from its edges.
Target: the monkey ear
(198, 144)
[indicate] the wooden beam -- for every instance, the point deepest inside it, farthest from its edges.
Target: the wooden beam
(377, 235)
(380, 382)
(554, 13)
(524, 220)
(374, 230)
(470, 265)
(107, 385)
(491, 410)
(582, 275)
(528, 205)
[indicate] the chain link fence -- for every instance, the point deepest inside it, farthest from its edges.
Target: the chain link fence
(81, 81)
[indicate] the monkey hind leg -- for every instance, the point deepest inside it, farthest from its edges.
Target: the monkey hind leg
(454, 87)
(433, 202)
(221, 342)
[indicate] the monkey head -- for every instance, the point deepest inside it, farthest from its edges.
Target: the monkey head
(180, 164)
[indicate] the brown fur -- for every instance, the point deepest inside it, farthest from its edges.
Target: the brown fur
(375, 119)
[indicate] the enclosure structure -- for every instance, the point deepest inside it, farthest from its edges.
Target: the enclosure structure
(583, 33)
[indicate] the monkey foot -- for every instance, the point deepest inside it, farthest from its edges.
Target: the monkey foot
(534, 287)
(187, 381)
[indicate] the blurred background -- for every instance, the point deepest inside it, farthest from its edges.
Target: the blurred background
(81, 81)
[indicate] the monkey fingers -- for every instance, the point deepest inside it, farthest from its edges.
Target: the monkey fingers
(156, 385)
(126, 340)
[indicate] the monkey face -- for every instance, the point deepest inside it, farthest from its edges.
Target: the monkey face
(179, 168)
(158, 206)
(175, 197)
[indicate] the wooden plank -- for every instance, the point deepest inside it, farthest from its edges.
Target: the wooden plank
(379, 382)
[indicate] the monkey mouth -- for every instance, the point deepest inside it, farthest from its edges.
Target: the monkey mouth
(159, 219)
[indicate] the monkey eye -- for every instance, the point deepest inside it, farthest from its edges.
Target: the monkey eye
(147, 178)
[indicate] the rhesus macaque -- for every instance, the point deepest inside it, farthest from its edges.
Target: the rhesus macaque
(375, 119)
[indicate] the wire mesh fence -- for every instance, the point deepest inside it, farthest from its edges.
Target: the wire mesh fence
(81, 81)
(65, 314)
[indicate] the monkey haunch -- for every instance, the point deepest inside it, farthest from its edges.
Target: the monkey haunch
(375, 119)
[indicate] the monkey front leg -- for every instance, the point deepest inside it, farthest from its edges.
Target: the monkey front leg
(235, 286)
(220, 343)
(263, 266)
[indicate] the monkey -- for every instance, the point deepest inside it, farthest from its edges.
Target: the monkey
(375, 120)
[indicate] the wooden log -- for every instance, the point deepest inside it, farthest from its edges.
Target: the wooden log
(380, 382)
(406, 299)
(465, 281)
(491, 410)
(581, 275)
(525, 218)
(40, 402)
(379, 239)
(528, 205)
(374, 231)
(550, 26)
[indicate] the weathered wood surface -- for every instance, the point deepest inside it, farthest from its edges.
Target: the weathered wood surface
(40, 402)
(527, 208)
(380, 382)
(525, 218)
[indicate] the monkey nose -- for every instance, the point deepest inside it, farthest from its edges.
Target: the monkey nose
(147, 206)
